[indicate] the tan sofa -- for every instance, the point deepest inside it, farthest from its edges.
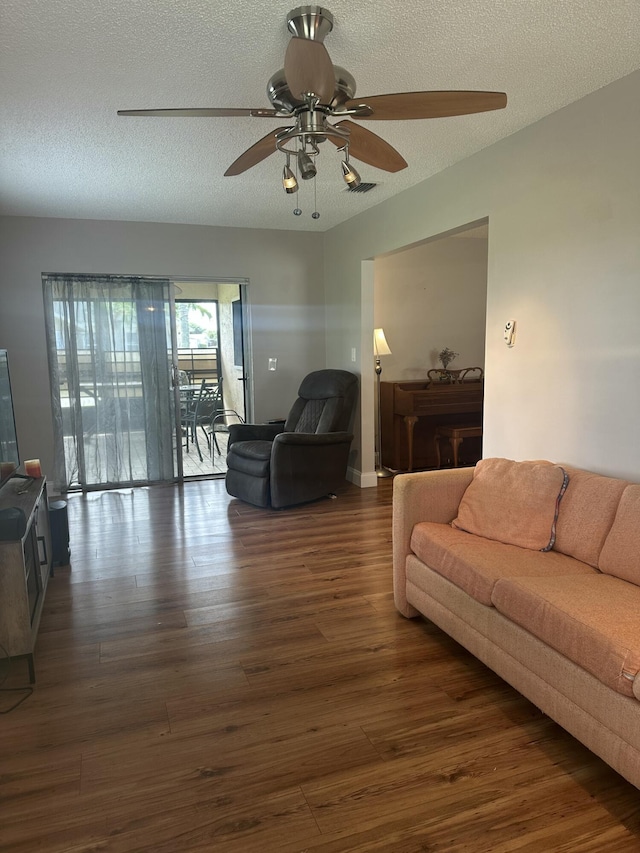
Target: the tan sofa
(562, 625)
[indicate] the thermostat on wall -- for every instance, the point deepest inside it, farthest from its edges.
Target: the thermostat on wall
(510, 332)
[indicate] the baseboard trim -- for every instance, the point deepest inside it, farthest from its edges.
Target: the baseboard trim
(365, 480)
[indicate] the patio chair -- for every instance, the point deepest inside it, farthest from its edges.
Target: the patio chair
(199, 411)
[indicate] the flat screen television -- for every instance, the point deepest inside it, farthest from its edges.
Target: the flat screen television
(9, 459)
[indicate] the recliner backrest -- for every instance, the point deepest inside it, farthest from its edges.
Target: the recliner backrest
(326, 399)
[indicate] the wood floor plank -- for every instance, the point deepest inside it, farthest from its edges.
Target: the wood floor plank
(217, 677)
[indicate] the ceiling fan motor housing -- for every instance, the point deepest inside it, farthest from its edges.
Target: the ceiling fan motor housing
(310, 22)
(280, 95)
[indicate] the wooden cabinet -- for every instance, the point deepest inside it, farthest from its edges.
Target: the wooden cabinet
(25, 566)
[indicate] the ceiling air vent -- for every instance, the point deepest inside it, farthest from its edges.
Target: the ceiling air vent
(361, 188)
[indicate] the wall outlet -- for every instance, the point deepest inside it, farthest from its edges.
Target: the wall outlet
(273, 364)
(353, 354)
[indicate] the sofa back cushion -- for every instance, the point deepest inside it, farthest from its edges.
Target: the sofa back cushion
(620, 555)
(586, 514)
(513, 502)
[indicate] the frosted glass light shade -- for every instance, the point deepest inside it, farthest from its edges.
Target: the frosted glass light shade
(380, 345)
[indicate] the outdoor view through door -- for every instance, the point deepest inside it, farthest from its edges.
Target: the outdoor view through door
(210, 363)
(136, 396)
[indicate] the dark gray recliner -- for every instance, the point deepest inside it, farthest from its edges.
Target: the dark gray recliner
(303, 459)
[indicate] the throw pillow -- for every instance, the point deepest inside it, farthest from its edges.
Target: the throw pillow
(513, 502)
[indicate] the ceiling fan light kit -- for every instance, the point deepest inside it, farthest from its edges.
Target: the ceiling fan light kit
(309, 90)
(351, 177)
(306, 165)
(289, 181)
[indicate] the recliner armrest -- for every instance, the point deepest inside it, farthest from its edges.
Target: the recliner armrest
(254, 432)
(312, 439)
(306, 466)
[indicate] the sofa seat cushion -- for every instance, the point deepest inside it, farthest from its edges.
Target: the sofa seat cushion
(250, 457)
(587, 511)
(620, 554)
(513, 502)
(594, 621)
(475, 564)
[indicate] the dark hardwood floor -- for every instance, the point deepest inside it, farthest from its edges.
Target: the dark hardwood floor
(214, 677)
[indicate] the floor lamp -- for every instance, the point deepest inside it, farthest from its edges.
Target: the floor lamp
(380, 347)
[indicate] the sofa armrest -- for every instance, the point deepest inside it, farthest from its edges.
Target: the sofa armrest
(425, 496)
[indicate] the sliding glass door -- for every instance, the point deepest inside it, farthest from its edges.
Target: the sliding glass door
(111, 364)
(209, 328)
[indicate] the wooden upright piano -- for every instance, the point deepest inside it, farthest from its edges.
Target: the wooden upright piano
(410, 413)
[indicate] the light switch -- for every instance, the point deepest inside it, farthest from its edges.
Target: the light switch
(353, 354)
(273, 364)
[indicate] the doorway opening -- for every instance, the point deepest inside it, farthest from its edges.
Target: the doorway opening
(211, 375)
(210, 362)
(426, 296)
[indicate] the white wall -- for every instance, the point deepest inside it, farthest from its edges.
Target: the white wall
(430, 297)
(286, 298)
(562, 199)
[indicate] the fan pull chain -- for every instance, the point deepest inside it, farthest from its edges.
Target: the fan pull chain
(315, 214)
(296, 209)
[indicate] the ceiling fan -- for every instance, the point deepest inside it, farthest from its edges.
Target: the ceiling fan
(310, 90)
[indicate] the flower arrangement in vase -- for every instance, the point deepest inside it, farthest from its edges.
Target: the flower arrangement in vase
(445, 357)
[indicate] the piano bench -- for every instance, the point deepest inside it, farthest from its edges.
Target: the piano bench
(456, 435)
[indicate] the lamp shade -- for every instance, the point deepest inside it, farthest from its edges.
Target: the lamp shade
(380, 345)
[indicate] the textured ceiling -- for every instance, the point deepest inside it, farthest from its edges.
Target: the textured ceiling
(68, 65)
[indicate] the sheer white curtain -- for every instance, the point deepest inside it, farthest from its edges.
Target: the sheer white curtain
(109, 345)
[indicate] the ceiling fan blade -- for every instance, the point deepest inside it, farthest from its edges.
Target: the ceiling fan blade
(308, 68)
(370, 148)
(214, 112)
(258, 152)
(414, 105)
